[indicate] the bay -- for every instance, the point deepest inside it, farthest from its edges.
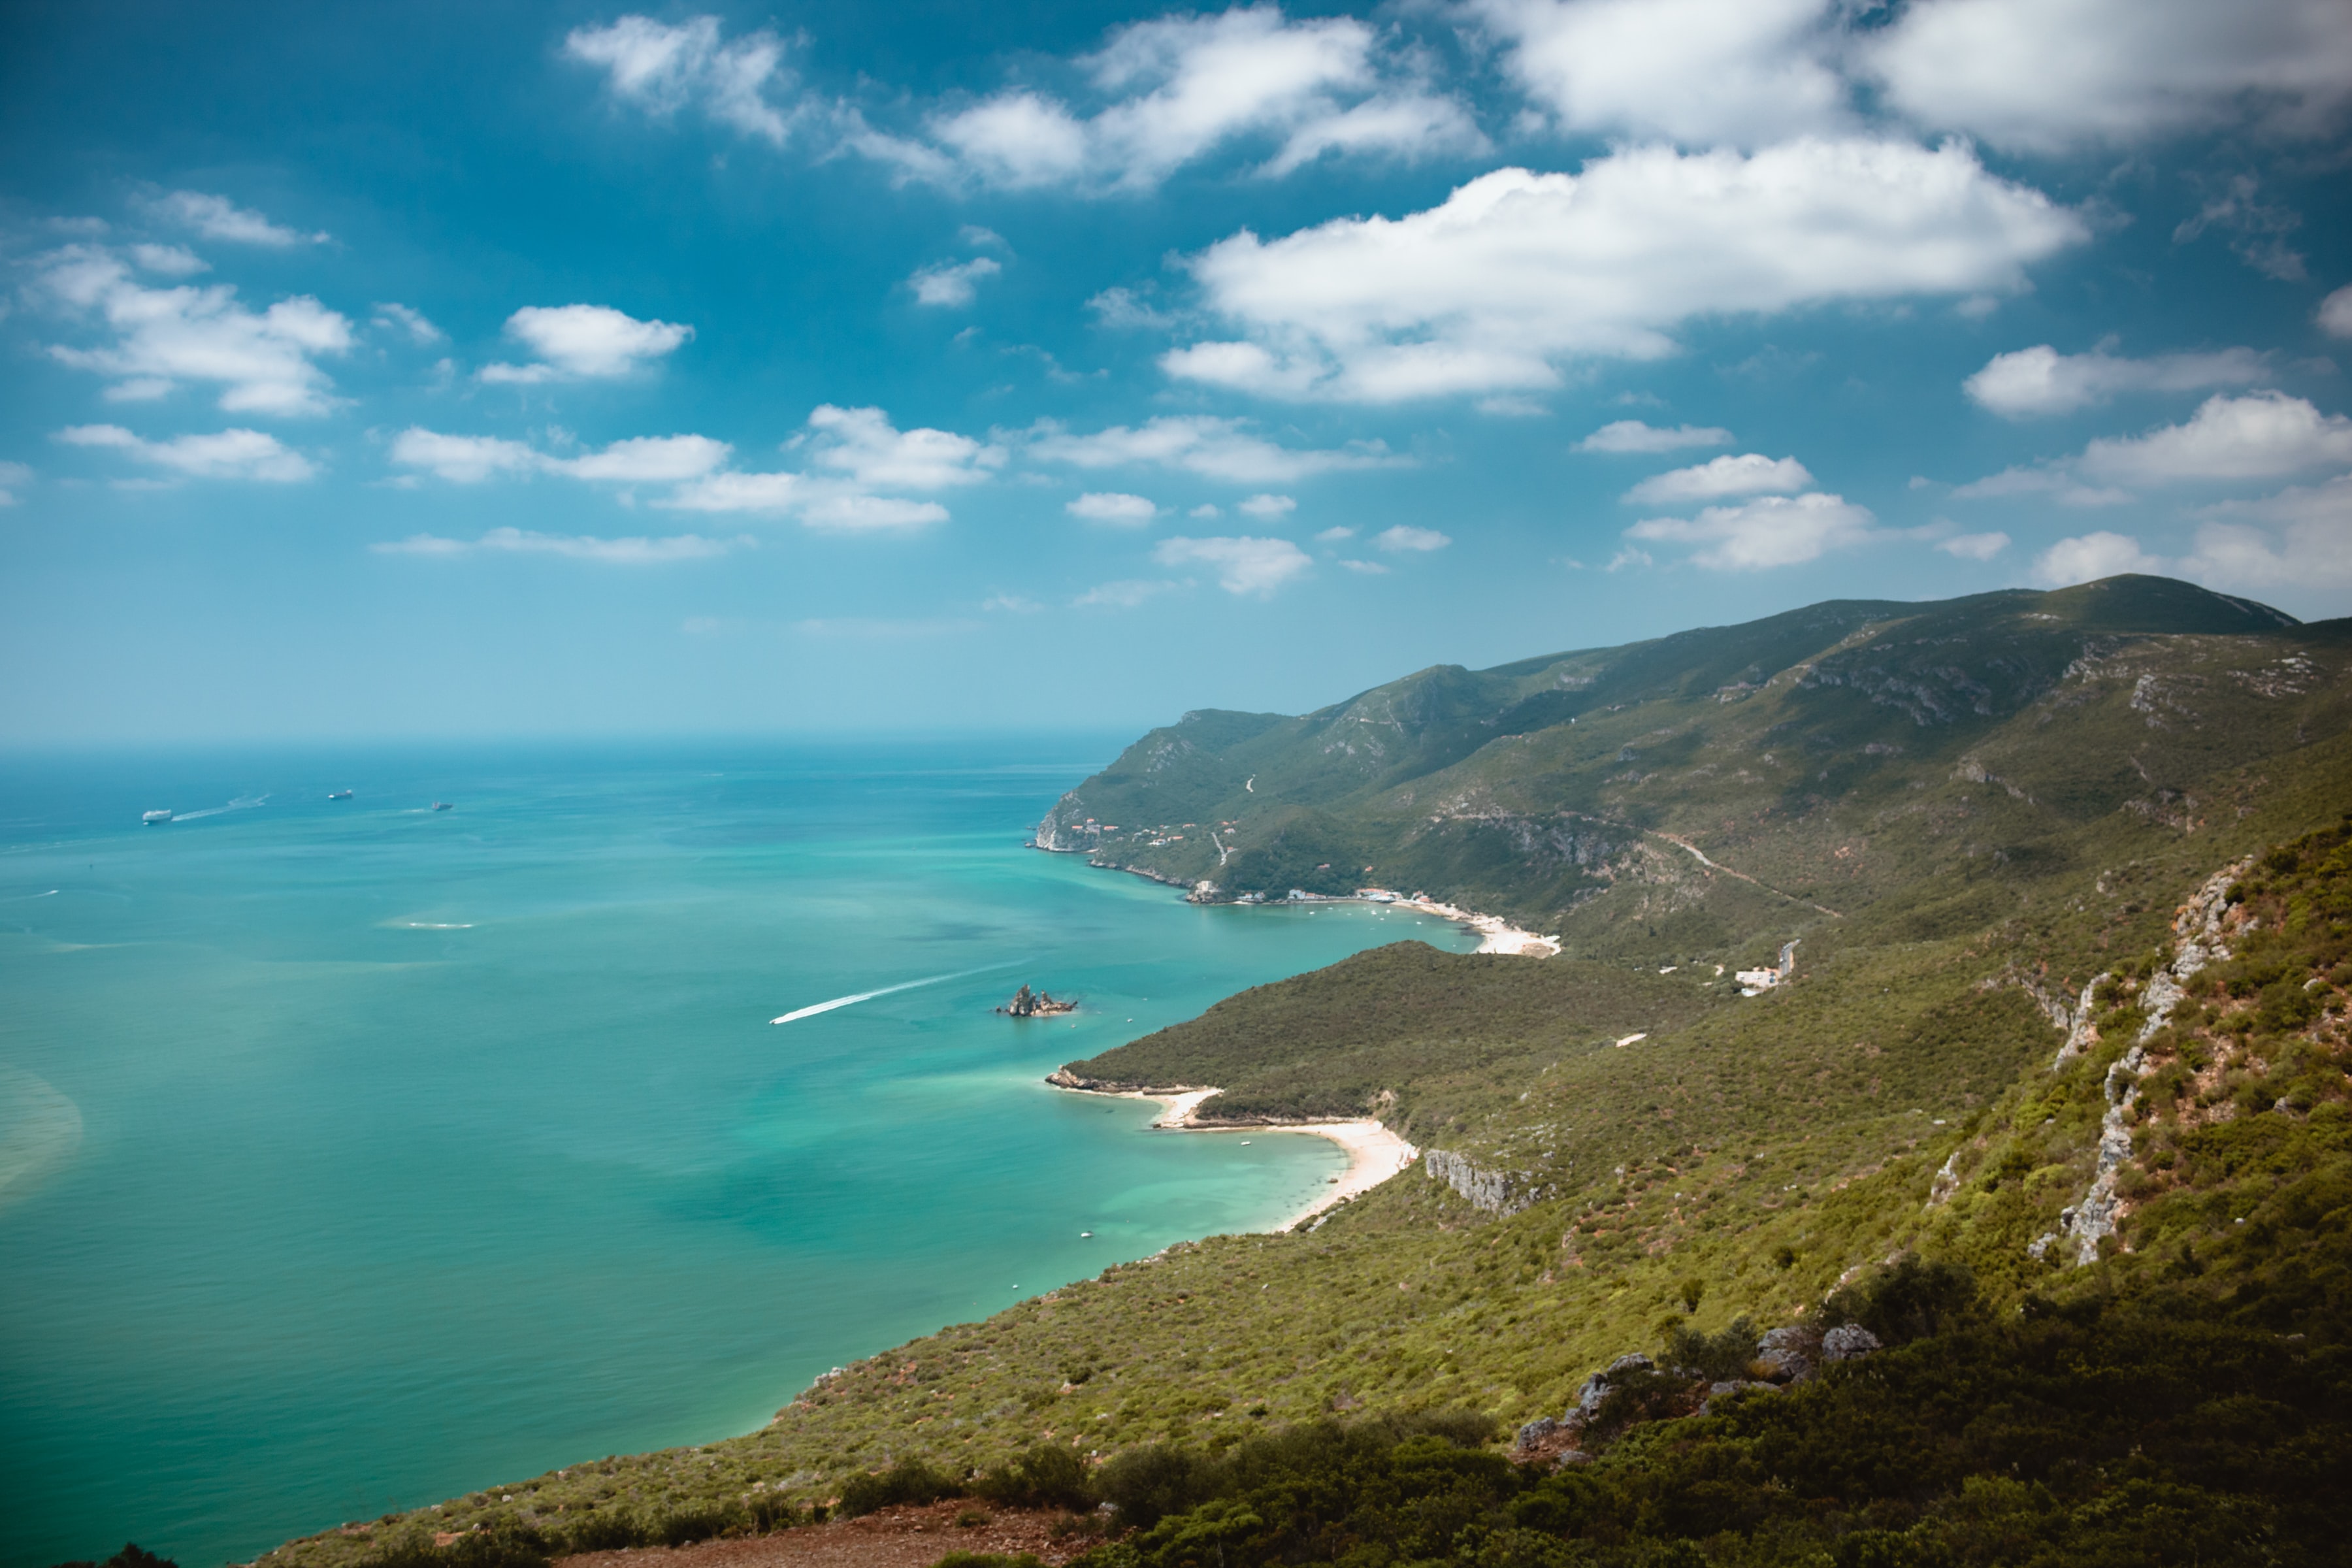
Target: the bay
(354, 1153)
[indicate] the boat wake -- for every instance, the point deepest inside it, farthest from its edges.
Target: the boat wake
(812, 1011)
(242, 803)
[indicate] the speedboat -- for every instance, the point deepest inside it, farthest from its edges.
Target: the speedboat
(339, 795)
(155, 818)
(442, 805)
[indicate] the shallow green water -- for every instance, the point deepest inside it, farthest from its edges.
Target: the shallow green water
(353, 1154)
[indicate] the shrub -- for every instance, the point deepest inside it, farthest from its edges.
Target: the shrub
(910, 1480)
(1047, 1476)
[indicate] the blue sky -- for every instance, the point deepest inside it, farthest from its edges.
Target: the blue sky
(436, 370)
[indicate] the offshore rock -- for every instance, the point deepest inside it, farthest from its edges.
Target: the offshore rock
(1028, 1004)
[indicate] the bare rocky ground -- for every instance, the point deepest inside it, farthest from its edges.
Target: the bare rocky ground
(905, 1537)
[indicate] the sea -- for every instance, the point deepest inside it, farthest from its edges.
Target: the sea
(356, 1153)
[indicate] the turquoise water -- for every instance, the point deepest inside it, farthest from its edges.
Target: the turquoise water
(354, 1154)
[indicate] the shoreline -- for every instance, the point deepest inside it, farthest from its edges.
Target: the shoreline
(1495, 935)
(1374, 1153)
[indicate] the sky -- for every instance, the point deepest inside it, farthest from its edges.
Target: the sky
(427, 370)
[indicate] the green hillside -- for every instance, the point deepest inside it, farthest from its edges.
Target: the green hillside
(2055, 1103)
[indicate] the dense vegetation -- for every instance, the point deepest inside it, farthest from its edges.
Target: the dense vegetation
(1899, 1111)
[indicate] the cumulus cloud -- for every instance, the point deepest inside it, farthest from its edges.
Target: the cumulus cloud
(2049, 75)
(856, 459)
(2045, 481)
(265, 362)
(1751, 473)
(2336, 313)
(632, 552)
(1402, 540)
(1123, 595)
(1266, 507)
(2264, 434)
(403, 318)
(1181, 87)
(1517, 271)
(1974, 546)
(1111, 508)
(1695, 71)
(1366, 568)
(583, 340)
(2298, 539)
(228, 455)
(14, 476)
(169, 261)
(1633, 435)
(951, 283)
(1243, 565)
(640, 460)
(2041, 381)
(2091, 556)
(1201, 444)
(1335, 533)
(218, 217)
(1771, 531)
(663, 68)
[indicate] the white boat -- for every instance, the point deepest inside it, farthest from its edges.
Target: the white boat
(155, 818)
(339, 795)
(441, 805)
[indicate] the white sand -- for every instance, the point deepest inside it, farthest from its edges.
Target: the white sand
(1495, 934)
(1374, 1153)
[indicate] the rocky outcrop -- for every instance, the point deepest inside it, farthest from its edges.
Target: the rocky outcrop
(1789, 1354)
(1028, 1004)
(1848, 1341)
(1496, 1192)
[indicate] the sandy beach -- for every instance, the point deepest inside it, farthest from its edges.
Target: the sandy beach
(1374, 1153)
(1494, 933)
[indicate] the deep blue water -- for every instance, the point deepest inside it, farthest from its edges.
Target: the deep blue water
(354, 1154)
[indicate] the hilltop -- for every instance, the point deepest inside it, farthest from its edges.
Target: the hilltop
(2053, 1101)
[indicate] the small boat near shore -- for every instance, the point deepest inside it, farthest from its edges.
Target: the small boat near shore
(154, 818)
(339, 795)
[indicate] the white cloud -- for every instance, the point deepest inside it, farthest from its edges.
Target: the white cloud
(2053, 482)
(1633, 436)
(1974, 546)
(1207, 508)
(772, 494)
(1335, 533)
(647, 459)
(2041, 381)
(1509, 405)
(228, 455)
(263, 361)
(216, 217)
(1243, 565)
(1748, 474)
(2264, 434)
(14, 476)
(1012, 603)
(1368, 568)
(2046, 75)
(641, 459)
(2336, 313)
(402, 318)
(169, 261)
(1181, 88)
(951, 283)
(1517, 271)
(1121, 308)
(865, 444)
(1112, 508)
(593, 340)
(2298, 539)
(1420, 540)
(854, 511)
(463, 459)
(2091, 556)
(633, 551)
(1695, 71)
(1771, 531)
(662, 68)
(1201, 444)
(1123, 595)
(1266, 507)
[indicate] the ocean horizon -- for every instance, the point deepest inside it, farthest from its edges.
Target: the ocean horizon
(355, 1154)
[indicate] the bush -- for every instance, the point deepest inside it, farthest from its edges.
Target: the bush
(1910, 1301)
(1719, 1356)
(1047, 1475)
(1146, 1484)
(133, 1555)
(910, 1480)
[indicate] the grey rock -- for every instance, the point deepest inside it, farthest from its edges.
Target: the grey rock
(1716, 1390)
(1536, 1431)
(1790, 1353)
(1598, 1386)
(1847, 1342)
